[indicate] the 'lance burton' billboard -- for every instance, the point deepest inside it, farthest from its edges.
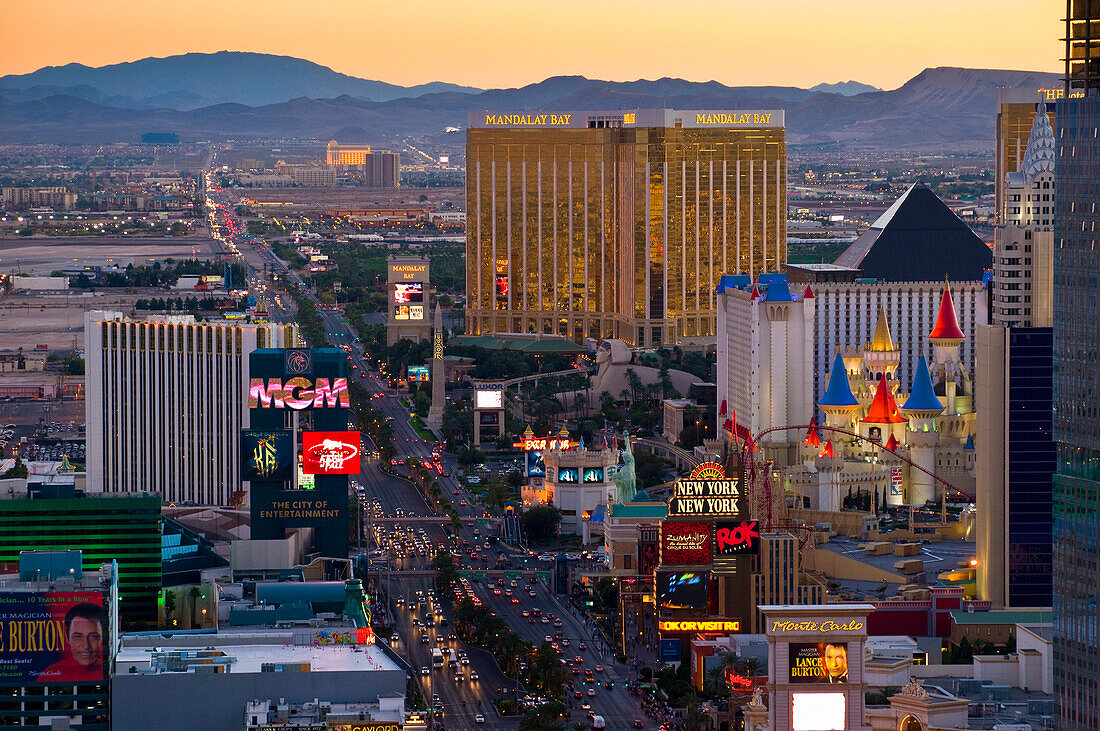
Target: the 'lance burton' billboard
(818, 662)
(52, 637)
(685, 543)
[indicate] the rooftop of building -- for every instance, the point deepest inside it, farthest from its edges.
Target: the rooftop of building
(639, 510)
(939, 556)
(250, 651)
(1005, 616)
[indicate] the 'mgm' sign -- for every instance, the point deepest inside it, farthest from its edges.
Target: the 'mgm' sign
(298, 393)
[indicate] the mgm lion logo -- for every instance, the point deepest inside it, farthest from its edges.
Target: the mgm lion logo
(298, 362)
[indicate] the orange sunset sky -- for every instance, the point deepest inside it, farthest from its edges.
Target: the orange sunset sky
(504, 43)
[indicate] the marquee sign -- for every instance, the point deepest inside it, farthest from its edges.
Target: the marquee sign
(298, 393)
(736, 537)
(696, 625)
(539, 444)
(330, 453)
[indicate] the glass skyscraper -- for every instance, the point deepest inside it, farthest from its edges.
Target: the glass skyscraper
(619, 224)
(1077, 377)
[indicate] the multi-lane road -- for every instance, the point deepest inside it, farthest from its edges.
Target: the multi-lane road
(460, 701)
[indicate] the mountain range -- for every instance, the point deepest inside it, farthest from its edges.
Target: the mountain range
(231, 95)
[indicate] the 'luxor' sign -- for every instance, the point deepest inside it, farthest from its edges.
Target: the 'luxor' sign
(298, 393)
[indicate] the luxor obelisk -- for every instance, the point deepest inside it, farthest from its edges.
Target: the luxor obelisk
(435, 413)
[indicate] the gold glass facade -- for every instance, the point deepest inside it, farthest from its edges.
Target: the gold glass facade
(607, 229)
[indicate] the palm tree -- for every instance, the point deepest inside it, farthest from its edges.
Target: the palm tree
(195, 593)
(635, 384)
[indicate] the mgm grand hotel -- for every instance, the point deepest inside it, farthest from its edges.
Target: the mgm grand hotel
(619, 224)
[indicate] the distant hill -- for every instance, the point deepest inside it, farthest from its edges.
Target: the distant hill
(192, 80)
(941, 109)
(844, 88)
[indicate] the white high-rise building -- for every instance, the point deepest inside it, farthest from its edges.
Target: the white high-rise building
(166, 400)
(765, 357)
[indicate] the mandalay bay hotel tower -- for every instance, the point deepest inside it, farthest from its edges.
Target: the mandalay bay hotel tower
(619, 224)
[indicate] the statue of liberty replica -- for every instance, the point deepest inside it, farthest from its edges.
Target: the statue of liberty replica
(625, 478)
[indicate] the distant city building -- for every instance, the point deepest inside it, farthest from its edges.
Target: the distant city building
(382, 170)
(56, 197)
(337, 154)
(167, 398)
(579, 483)
(310, 176)
(1077, 377)
(918, 239)
(619, 224)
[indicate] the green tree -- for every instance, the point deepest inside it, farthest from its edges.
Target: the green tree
(446, 572)
(196, 594)
(169, 606)
(541, 522)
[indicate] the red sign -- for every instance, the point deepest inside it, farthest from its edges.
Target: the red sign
(330, 453)
(685, 543)
(733, 537)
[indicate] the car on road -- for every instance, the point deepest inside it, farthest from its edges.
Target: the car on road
(473, 675)
(479, 718)
(425, 671)
(591, 691)
(638, 723)
(599, 668)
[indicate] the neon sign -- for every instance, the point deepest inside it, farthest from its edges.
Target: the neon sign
(298, 393)
(697, 625)
(539, 444)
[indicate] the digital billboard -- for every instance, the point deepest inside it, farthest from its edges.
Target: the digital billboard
(406, 293)
(535, 466)
(330, 453)
(568, 475)
(488, 418)
(670, 649)
(266, 454)
(52, 637)
(418, 373)
(489, 399)
(593, 474)
(685, 543)
(416, 312)
(818, 662)
(298, 393)
(401, 312)
(682, 589)
(818, 712)
(736, 537)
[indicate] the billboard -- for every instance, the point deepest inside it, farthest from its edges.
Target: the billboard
(568, 475)
(298, 393)
(330, 453)
(406, 293)
(682, 589)
(670, 649)
(266, 454)
(53, 637)
(535, 466)
(488, 418)
(593, 474)
(416, 312)
(685, 543)
(418, 373)
(818, 662)
(818, 712)
(489, 399)
(736, 537)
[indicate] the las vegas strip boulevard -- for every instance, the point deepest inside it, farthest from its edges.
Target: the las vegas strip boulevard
(52, 637)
